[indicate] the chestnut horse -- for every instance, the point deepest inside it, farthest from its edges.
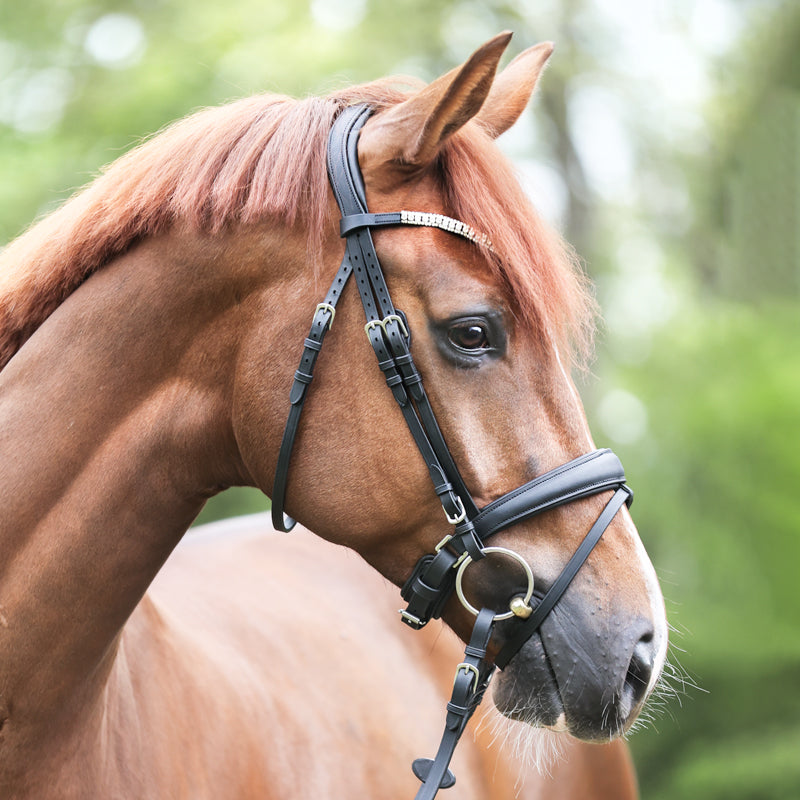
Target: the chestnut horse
(149, 334)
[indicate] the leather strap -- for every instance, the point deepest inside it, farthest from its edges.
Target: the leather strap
(388, 340)
(531, 625)
(583, 477)
(467, 694)
(353, 222)
(386, 329)
(320, 325)
(472, 678)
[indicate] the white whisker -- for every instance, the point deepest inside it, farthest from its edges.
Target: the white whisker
(530, 747)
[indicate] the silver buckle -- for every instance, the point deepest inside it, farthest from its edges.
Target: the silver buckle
(460, 517)
(444, 543)
(415, 621)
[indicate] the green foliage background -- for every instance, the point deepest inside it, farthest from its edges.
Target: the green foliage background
(695, 248)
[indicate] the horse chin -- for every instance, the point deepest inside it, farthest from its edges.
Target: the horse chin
(527, 691)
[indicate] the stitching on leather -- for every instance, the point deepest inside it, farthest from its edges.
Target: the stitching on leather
(586, 490)
(541, 480)
(562, 500)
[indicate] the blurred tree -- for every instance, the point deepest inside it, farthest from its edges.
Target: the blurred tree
(81, 81)
(717, 468)
(750, 232)
(717, 502)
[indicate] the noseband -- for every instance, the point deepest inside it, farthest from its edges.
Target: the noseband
(438, 575)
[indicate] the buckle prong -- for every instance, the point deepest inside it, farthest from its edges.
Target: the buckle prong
(460, 516)
(326, 307)
(476, 675)
(382, 323)
(399, 320)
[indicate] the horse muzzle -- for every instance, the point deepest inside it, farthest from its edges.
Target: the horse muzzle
(581, 671)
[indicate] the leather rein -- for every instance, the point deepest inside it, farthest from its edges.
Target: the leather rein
(438, 575)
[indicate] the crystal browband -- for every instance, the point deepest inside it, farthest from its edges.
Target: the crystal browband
(449, 224)
(354, 222)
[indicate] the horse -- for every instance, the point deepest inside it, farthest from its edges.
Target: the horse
(150, 329)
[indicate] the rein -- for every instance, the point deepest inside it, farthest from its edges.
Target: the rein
(438, 575)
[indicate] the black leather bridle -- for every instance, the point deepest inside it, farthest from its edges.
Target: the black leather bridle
(437, 575)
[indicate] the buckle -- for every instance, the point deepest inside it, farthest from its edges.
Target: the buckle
(413, 622)
(326, 307)
(444, 542)
(447, 539)
(461, 514)
(382, 323)
(476, 675)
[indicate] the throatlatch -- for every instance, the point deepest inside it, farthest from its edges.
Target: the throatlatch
(438, 575)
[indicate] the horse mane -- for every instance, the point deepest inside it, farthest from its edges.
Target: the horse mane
(546, 285)
(262, 158)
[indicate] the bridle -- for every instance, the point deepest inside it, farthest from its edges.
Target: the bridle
(437, 575)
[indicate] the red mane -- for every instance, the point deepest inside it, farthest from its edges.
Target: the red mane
(264, 158)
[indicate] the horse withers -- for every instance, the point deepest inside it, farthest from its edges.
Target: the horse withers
(150, 332)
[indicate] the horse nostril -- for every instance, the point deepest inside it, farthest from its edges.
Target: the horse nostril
(640, 670)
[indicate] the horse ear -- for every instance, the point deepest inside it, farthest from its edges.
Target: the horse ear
(512, 89)
(410, 134)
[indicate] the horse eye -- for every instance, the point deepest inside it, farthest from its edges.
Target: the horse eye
(471, 336)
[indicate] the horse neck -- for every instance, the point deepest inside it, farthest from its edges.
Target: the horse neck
(115, 429)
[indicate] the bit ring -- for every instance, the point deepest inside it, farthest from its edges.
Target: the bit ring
(503, 551)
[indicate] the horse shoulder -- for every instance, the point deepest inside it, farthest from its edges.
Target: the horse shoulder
(266, 665)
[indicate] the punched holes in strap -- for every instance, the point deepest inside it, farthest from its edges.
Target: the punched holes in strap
(302, 378)
(349, 191)
(320, 325)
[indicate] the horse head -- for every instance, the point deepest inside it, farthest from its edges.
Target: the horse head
(493, 320)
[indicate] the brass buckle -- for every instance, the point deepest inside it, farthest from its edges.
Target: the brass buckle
(476, 676)
(382, 323)
(326, 307)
